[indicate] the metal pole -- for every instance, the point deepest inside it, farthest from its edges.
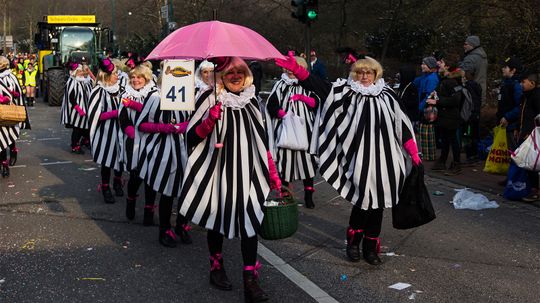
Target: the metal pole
(113, 2)
(5, 13)
(308, 45)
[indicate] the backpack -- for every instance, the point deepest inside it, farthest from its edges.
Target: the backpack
(466, 106)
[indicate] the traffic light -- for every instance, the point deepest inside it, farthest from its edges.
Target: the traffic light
(300, 12)
(312, 10)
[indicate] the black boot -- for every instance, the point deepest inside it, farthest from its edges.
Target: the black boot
(118, 187)
(130, 207)
(13, 156)
(107, 194)
(354, 237)
(167, 237)
(308, 197)
(370, 250)
(182, 230)
(218, 276)
(252, 290)
(5, 169)
(148, 219)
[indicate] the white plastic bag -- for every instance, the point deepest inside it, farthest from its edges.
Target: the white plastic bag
(466, 199)
(292, 134)
(527, 155)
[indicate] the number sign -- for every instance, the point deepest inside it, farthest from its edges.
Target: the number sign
(178, 85)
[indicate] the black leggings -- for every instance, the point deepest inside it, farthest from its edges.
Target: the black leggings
(3, 155)
(307, 182)
(76, 136)
(133, 187)
(106, 174)
(248, 246)
(369, 220)
(165, 212)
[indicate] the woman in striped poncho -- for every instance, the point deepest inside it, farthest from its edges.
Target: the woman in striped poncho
(287, 95)
(229, 172)
(74, 106)
(362, 130)
(104, 128)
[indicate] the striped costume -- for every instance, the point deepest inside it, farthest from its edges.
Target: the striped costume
(104, 134)
(128, 117)
(291, 164)
(224, 188)
(8, 85)
(162, 156)
(75, 93)
(360, 143)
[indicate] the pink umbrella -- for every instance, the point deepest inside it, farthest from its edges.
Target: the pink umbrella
(210, 39)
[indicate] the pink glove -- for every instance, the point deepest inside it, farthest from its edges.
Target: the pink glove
(351, 58)
(130, 132)
(181, 127)
(108, 115)
(291, 64)
(275, 181)
(207, 125)
(132, 104)
(14, 93)
(410, 147)
(310, 102)
(165, 128)
(281, 113)
(79, 110)
(4, 99)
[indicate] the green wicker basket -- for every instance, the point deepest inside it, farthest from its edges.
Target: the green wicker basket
(280, 221)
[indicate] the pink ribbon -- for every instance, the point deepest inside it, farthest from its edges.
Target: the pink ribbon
(186, 227)
(351, 232)
(254, 268)
(171, 234)
(215, 262)
(14, 150)
(378, 243)
(101, 185)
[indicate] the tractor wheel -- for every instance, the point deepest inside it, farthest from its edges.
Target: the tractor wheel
(56, 82)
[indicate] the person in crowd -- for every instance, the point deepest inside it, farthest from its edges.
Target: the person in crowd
(257, 71)
(162, 161)
(135, 95)
(204, 78)
(123, 77)
(362, 132)
(530, 109)
(10, 92)
(19, 73)
(425, 85)
(74, 106)
(408, 93)
(475, 61)
(472, 127)
(104, 128)
(229, 154)
(509, 99)
(449, 119)
(30, 82)
(317, 66)
(288, 96)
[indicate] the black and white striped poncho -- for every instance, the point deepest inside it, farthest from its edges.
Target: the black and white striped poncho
(130, 148)
(162, 157)
(75, 93)
(104, 135)
(291, 164)
(8, 84)
(360, 143)
(224, 188)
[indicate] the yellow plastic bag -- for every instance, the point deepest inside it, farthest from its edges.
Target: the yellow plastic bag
(498, 159)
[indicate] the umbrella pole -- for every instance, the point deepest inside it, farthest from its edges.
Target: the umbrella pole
(218, 129)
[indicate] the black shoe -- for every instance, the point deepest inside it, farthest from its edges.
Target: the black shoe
(308, 197)
(130, 208)
(5, 169)
(353, 244)
(118, 187)
(370, 251)
(107, 194)
(77, 150)
(252, 290)
(13, 156)
(532, 197)
(438, 166)
(167, 238)
(454, 169)
(218, 276)
(182, 230)
(86, 143)
(148, 219)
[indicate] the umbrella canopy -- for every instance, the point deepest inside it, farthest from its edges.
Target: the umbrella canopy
(210, 39)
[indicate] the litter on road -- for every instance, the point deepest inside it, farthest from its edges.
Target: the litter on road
(400, 286)
(466, 199)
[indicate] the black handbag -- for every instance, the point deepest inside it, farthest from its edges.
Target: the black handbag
(414, 207)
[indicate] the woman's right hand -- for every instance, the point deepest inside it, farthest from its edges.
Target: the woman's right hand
(293, 66)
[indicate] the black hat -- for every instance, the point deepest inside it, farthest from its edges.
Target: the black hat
(512, 62)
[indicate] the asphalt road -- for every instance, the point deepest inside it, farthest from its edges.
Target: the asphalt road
(60, 243)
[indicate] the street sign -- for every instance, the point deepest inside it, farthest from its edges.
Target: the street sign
(165, 11)
(178, 85)
(9, 41)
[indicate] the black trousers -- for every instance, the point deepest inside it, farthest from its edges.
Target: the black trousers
(106, 174)
(76, 136)
(449, 139)
(248, 246)
(369, 220)
(473, 125)
(133, 187)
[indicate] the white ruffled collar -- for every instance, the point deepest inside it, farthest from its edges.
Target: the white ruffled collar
(143, 92)
(5, 73)
(111, 89)
(80, 79)
(201, 85)
(372, 90)
(288, 80)
(237, 101)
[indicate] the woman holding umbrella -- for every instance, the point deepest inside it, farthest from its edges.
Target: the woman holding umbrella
(362, 132)
(287, 95)
(228, 154)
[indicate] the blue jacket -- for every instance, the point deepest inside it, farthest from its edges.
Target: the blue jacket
(509, 102)
(425, 84)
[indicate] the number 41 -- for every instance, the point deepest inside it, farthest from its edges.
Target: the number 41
(172, 93)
